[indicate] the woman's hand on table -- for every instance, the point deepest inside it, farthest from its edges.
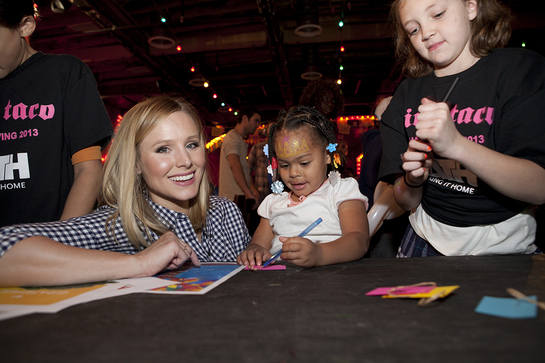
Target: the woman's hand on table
(168, 252)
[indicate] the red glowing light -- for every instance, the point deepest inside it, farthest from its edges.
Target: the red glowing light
(342, 48)
(192, 69)
(358, 164)
(179, 48)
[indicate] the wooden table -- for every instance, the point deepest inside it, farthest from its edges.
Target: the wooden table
(300, 315)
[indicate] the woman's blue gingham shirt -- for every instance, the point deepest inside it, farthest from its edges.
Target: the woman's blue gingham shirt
(224, 236)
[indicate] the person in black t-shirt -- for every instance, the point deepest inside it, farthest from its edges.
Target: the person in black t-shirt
(53, 127)
(470, 169)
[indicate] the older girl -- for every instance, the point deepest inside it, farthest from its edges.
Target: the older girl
(471, 168)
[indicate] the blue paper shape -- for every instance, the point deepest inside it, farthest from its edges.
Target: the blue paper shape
(506, 307)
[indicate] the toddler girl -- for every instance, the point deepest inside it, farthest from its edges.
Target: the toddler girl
(471, 168)
(300, 146)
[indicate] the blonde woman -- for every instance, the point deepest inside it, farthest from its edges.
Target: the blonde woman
(156, 210)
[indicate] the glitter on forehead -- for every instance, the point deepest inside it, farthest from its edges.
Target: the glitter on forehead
(290, 146)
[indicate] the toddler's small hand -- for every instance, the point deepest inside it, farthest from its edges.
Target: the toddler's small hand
(253, 255)
(300, 251)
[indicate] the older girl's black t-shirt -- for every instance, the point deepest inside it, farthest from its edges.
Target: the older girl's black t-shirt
(499, 103)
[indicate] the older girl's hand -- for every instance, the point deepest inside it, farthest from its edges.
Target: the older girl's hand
(168, 252)
(300, 251)
(436, 127)
(417, 162)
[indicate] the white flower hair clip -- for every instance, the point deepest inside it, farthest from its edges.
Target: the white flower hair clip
(266, 150)
(277, 187)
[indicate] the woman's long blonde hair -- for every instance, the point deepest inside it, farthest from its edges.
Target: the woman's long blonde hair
(125, 190)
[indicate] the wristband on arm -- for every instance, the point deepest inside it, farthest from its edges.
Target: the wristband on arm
(90, 153)
(409, 185)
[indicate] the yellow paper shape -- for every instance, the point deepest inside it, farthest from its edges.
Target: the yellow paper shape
(442, 290)
(42, 296)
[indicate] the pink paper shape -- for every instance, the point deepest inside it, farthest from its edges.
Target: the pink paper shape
(268, 268)
(407, 290)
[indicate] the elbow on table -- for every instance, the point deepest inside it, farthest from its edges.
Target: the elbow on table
(364, 241)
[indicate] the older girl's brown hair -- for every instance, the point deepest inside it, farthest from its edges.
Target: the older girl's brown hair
(490, 29)
(13, 11)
